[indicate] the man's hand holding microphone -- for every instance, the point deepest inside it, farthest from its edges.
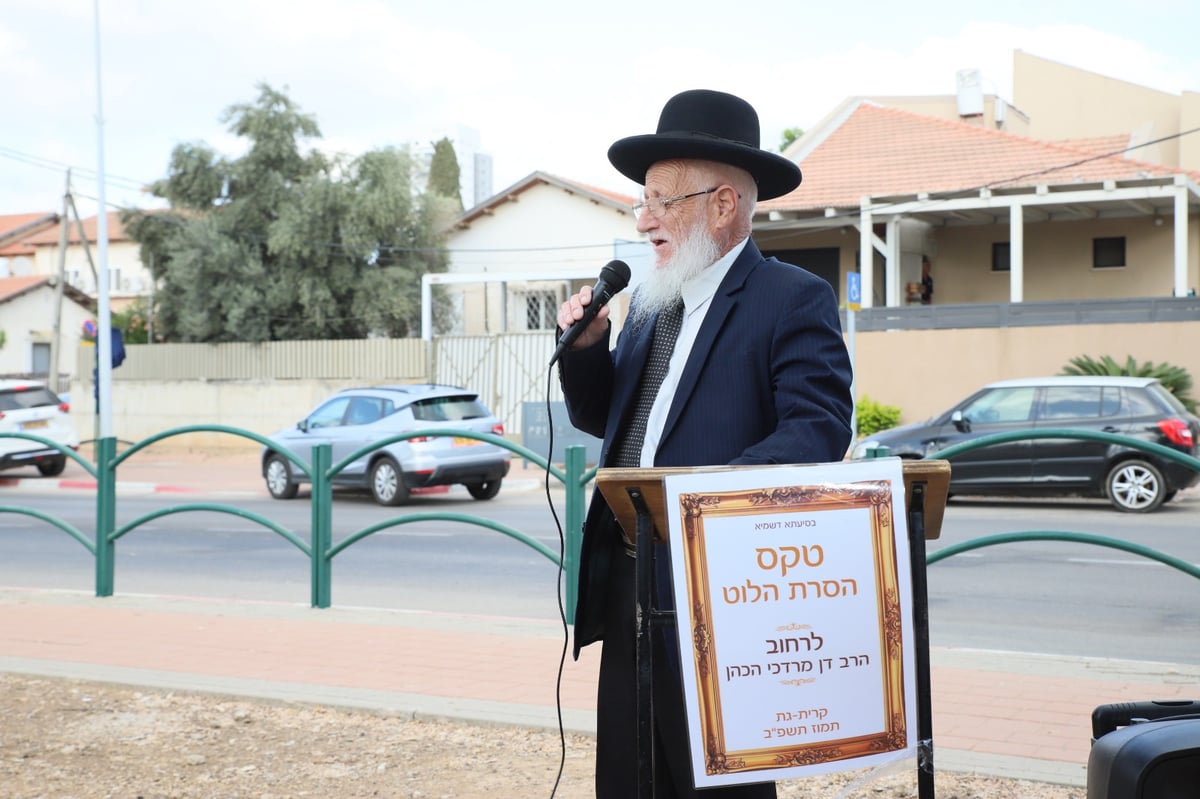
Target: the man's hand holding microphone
(584, 317)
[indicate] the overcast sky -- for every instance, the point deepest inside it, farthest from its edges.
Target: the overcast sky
(547, 84)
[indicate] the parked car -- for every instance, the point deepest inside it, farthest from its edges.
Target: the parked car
(28, 406)
(1131, 479)
(355, 418)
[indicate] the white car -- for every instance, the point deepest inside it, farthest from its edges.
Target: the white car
(30, 407)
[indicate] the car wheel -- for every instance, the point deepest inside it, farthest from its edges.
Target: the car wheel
(1136, 486)
(485, 490)
(52, 467)
(387, 483)
(279, 478)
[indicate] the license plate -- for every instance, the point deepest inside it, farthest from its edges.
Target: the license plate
(460, 441)
(34, 425)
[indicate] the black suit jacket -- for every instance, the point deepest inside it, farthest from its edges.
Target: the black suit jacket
(767, 382)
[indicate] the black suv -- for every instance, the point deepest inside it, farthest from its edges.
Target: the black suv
(1131, 479)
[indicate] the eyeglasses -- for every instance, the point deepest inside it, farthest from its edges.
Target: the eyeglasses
(656, 206)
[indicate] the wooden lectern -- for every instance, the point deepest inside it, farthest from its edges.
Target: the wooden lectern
(638, 500)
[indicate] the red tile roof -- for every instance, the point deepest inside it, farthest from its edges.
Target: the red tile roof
(12, 287)
(1101, 145)
(881, 151)
(116, 231)
(533, 180)
(11, 223)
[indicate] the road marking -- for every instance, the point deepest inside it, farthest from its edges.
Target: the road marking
(413, 534)
(1116, 562)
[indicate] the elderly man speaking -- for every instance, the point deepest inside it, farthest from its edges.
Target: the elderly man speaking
(727, 357)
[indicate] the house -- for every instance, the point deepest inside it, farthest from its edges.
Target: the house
(129, 279)
(515, 257)
(1096, 196)
(1002, 218)
(1059, 103)
(1040, 250)
(28, 307)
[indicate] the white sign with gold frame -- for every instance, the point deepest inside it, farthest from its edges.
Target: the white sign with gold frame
(794, 597)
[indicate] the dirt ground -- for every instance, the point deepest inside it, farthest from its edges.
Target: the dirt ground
(67, 739)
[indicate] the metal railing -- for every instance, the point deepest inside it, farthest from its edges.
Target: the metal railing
(954, 316)
(319, 549)
(1060, 535)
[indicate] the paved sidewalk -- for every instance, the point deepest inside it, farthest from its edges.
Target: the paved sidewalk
(1001, 713)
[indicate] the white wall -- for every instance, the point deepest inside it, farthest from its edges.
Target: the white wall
(29, 318)
(127, 274)
(922, 372)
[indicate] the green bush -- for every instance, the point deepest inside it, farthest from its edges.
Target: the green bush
(1175, 379)
(873, 417)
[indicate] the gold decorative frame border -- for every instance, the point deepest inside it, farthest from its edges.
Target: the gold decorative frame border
(876, 497)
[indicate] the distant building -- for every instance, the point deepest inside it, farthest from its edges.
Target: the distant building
(27, 308)
(516, 256)
(128, 278)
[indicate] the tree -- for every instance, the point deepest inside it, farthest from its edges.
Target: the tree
(287, 243)
(444, 174)
(790, 135)
(1175, 379)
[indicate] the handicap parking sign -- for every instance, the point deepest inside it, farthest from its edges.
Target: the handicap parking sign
(854, 291)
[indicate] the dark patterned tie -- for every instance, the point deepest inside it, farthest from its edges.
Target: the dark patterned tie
(666, 330)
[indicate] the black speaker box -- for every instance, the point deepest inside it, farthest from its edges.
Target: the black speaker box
(1157, 756)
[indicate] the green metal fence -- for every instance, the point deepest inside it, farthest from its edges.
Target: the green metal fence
(1060, 535)
(319, 548)
(574, 477)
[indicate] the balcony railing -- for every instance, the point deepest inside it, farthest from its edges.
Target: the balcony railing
(1028, 314)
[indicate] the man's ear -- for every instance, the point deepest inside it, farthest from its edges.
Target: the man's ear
(726, 202)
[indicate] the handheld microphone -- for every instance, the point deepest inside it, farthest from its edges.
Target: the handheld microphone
(613, 277)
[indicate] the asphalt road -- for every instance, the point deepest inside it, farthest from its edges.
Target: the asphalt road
(1050, 597)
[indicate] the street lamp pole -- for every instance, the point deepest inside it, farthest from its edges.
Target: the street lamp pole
(103, 311)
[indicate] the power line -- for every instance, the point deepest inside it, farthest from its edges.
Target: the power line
(58, 166)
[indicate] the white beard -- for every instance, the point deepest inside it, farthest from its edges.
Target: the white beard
(664, 286)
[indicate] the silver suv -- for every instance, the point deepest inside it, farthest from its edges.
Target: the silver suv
(355, 418)
(30, 407)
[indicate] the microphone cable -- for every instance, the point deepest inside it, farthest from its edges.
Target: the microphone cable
(558, 584)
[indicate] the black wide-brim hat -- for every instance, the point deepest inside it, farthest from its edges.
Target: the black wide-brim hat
(711, 125)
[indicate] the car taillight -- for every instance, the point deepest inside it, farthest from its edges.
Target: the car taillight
(1176, 431)
(420, 439)
(498, 429)
(64, 407)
